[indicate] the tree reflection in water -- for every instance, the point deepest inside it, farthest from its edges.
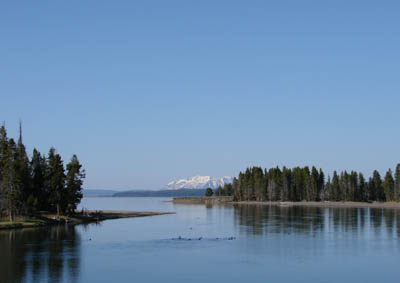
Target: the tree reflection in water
(264, 219)
(40, 255)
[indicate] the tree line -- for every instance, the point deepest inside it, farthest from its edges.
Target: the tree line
(39, 183)
(305, 184)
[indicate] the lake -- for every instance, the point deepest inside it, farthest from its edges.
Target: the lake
(215, 243)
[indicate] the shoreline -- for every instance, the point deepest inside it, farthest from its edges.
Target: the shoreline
(229, 200)
(337, 204)
(89, 216)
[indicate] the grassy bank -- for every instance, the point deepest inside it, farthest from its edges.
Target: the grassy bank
(21, 222)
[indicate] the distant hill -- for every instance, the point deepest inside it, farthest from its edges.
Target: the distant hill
(162, 193)
(98, 193)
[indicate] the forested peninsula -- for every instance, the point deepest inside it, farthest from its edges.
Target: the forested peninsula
(37, 185)
(311, 185)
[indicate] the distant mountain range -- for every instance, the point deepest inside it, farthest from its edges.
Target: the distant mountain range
(194, 186)
(98, 193)
(198, 182)
(162, 193)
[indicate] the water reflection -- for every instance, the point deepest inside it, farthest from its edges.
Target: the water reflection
(363, 222)
(38, 255)
(313, 243)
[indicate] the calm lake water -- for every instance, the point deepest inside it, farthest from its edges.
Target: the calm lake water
(272, 243)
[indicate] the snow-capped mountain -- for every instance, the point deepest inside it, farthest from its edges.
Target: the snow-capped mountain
(198, 182)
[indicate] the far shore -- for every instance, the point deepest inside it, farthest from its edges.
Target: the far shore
(229, 200)
(324, 204)
(87, 216)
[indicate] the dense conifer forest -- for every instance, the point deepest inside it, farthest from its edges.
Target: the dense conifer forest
(39, 183)
(305, 184)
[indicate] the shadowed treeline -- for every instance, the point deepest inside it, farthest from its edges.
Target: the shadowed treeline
(40, 255)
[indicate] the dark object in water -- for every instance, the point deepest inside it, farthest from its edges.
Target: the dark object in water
(201, 238)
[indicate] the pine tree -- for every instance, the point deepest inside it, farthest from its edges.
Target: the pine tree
(328, 190)
(377, 187)
(314, 184)
(298, 184)
(362, 188)
(23, 173)
(39, 195)
(334, 188)
(56, 180)
(11, 185)
(343, 188)
(353, 186)
(286, 184)
(306, 183)
(236, 189)
(259, 186)
(228, 189)
(74, 182)
(321, 185)
(3, 154)
(388, 186)
(218, 191)
(397, 186)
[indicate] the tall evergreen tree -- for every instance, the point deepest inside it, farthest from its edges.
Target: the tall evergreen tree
(236, 189)
(3, 154)
(259, 185)
(23, 173)
(388, 186)
(307, 183)
(218, 191)
(298, 184)
(40, 194)
(397, 180)
(11, 184)
(74, 182)
(314, 184)
(353, 186)
(376, 186)
(328, 191)
(228, 189)
(286, 184)
(321, 185)
(56, 180)
(334, 188)
(362, 188)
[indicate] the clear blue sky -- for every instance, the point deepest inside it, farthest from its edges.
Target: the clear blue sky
(145, 92)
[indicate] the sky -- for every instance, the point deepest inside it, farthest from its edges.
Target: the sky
(146, 92)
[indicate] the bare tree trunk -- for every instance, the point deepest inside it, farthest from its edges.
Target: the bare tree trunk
(10, 211)
(58, 211)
